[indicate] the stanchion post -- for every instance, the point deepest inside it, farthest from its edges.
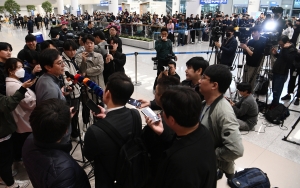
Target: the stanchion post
(131, 29)
(136, 83)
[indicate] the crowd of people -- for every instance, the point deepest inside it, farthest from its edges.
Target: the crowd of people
(197, 136)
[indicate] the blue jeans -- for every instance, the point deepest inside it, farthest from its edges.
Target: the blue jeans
(277, 87)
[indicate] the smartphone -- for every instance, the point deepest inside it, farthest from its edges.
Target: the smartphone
(134, 102)
(149, 113)
(75, 103)
(93, 106)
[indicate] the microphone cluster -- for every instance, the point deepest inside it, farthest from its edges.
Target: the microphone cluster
(86, 81)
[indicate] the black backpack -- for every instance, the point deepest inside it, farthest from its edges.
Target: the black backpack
(278, 114)
(133, 165)
(250, 177)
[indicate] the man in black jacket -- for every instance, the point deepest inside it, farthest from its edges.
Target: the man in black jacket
(296, 33)
(281, 67)
(47, 160)
(189, 159)
(114, 61)
(228, 47)
(98, 146)
(31, 44)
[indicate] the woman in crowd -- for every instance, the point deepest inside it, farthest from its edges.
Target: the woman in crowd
(15, 71)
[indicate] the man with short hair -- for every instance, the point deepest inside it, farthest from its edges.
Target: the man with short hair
(46, 158)
(172, 70)
(254, 50)
(98, 146)
(30, 45)
(91, 64)
(90, 28)
(81, 43)
(194, 69)
(190, 159)
(113, 30)
(114, 60)
(246, 110)
(63, 32)
(55, 38)
(100, 43)
(218, 117)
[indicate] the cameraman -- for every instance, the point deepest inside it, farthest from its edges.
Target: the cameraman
(254, 51)
(215, 23)
(163, 47)
(228, 48)
(281, 67)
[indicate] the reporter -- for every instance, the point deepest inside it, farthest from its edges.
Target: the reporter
(246, 110)
(7, 127)
(228, 47)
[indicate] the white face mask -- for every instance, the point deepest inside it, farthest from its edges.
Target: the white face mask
(20, 73)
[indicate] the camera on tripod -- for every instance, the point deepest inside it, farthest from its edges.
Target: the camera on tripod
(271, 40)
(243, 34)
(216, 33)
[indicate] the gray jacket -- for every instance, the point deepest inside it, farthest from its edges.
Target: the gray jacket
(224, 128)
(100, 48)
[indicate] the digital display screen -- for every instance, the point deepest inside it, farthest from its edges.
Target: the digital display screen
(296, 3)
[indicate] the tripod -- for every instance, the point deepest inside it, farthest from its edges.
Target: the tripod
(216, 53)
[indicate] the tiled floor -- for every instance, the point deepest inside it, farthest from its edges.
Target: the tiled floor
(264, 148)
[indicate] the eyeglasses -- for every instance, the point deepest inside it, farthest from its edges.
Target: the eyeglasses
(203, 77)
(60, 63)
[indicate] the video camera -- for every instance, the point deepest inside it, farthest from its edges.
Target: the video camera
(243, 34)
(271, 40)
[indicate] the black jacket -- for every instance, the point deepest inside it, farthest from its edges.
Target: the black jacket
(116, 65)
(228, 51)
(189, 162)
(285, 60)
(196, 87)
(2, 79)
(101, 149)
(22, 53)
(51, 165)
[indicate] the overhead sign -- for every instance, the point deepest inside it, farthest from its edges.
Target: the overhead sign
(104, 3)
(213, 2)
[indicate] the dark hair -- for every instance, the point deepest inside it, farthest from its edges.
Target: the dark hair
(11, 64)
(88, 37)
(197, 63)
(172, 62)
(47, 57)
(30, 38)
(99, 34)
(70, 44)
(5, 46)
(244, 86)
(83, 35)
(183, 104)
(120, 87)
(31, 55)
(290, 24)
(165, 82)
(284, 39)
(54, 33)
(45, 45)
(230, 28)
(50, 120)
(114, 39)
(255, 28)
(220, 74)
(114, 28)
(164, 29)
(89, 22)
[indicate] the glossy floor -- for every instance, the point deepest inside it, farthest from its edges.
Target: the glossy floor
(264, 147)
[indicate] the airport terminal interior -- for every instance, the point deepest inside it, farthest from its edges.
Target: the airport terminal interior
(275, 149)
(264, 147)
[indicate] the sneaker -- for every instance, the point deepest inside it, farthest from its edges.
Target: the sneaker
(296, 102)
(287, 97)
(20, 184)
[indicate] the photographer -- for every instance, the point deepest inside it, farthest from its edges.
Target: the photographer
(281, 67)
(246, 109)
(216, 23)
(254, 51)
(225, 23)
(114, 61)
(163, 47)
(228, 48)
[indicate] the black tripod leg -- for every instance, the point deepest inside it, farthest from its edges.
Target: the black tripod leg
(293, 127)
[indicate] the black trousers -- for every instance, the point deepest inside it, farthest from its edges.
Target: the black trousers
(192, 33)
(18, 141)
(292, 81)
(6, 161)
(171, 37)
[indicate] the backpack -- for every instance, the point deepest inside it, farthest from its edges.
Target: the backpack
(263, 85)
(250, 178)
(278, 114)
(133, 165)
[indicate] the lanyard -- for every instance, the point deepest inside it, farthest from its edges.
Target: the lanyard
(203, 114)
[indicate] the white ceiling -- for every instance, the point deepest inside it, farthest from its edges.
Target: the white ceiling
(31, 2)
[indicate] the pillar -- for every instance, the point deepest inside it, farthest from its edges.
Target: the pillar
(113, 6)
(175, 6)
(60, 7)
(89, 8)
(41, 10)
(74, 7)
(253, 6)
(227, 8)
(193, 7)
